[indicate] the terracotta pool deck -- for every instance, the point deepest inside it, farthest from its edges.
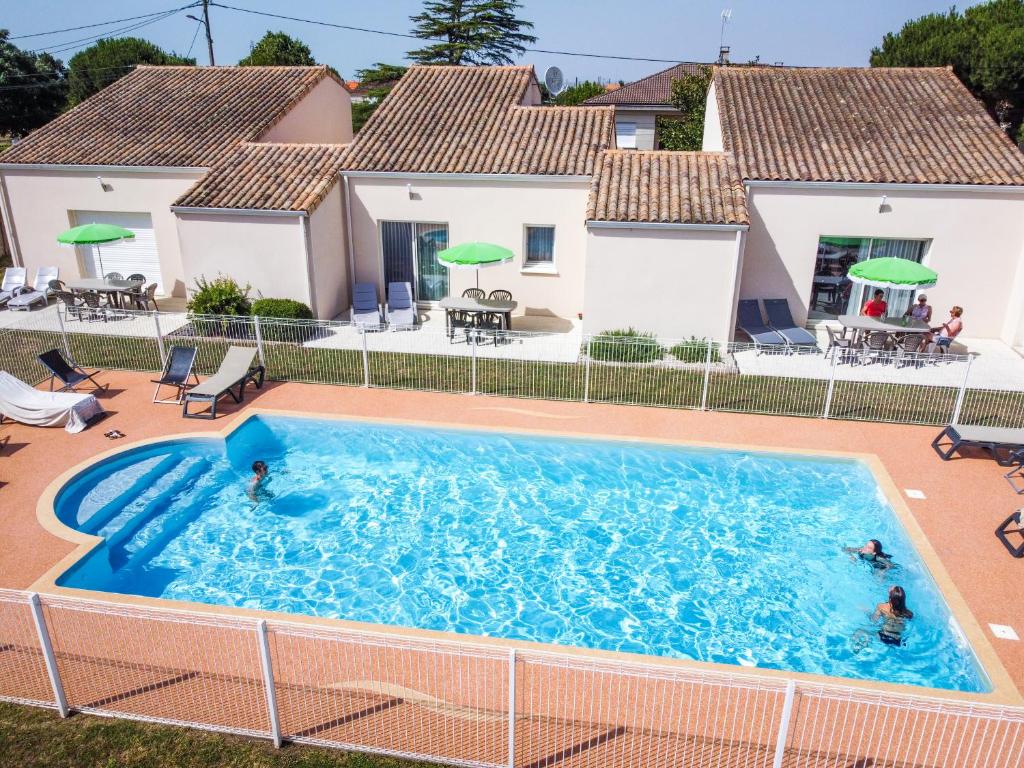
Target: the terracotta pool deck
(964, 499)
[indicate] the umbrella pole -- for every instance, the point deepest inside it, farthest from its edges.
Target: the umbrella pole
(99, 257)
(477, 270)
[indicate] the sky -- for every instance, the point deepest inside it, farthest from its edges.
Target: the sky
(795, 32)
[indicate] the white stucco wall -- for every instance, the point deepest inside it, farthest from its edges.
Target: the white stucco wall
(328, 250)
(645, 124)
(42, 203)
(267, 252)
(712, 141)
(323, 116)
(484, 210)
(1013, 330)
(976, 240)
(675, 283)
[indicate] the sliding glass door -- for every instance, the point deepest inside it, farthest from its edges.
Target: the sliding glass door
(833, 294)
(409, 251)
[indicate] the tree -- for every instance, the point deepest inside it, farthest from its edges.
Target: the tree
(280, 50)
(689, 95)
(984, 45)
(94, 68)
(378, 81)
(33, 88)
(470, 32)
(578, 93)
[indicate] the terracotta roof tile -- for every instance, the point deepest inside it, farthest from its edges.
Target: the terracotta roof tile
(653, 90)
(914, 126)
(667, 188)
(470, 120)
(272, 177)
(168, 116)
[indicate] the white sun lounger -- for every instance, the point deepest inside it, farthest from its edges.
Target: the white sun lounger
(40, 290)
(27, 405)
(14, 280)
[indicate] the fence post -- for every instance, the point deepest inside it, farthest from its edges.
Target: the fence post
(787, 714)
(259, 339)
(48, 657)
(831, 385)
(159, 339)
(586, 374)
(476, 343)
(268, 682)
(707, 378)
(366, 359)
(511, 708)
(963, 392)
(64, 334)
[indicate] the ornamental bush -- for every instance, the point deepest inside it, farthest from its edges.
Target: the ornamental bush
(289, 309)
(694, 351)
(625, 346)
(220, 296)
(284, 310)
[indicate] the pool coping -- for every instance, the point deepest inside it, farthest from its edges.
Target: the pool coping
(1004, 691)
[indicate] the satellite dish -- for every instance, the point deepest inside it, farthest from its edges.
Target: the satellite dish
(554, 80)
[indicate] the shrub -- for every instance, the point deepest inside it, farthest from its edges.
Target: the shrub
(694, 351)
(220, 296)
(628, 346)
(289, 309)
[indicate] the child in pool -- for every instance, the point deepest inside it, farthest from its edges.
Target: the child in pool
(872, 554)
(260, 472)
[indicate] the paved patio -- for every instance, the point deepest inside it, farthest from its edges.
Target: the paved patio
(963, 500)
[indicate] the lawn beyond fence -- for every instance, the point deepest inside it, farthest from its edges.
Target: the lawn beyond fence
(513, 364)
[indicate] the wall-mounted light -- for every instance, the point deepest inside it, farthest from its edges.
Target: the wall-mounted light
(883, 206)
(408, 188)
(103, 185)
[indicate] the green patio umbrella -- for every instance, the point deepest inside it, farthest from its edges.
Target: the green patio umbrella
(474, 256)
(891, 272)
(95, 234)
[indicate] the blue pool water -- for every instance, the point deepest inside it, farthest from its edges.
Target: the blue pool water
(722, 556)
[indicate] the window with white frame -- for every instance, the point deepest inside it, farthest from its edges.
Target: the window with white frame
(540, 246)
(625, 135)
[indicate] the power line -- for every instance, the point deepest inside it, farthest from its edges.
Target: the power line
(97, 24)
(387, 33)
(68, 45)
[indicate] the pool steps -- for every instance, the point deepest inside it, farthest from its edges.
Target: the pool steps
(124, 526)
(102, 516)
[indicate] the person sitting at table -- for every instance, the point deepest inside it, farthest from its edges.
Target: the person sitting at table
(921, 310)
(944, 334)
(877, 306)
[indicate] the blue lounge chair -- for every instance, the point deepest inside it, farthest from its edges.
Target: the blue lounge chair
(70, 375)
(365, 307)
(748, 320)
(401, 310)
(781, 321)
(14, 281)
(177, 371)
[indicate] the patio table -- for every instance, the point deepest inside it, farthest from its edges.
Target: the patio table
(893, 326)
(479, 307)
(112, 288)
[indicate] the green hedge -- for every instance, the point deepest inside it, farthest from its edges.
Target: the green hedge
(625, 346)
(288, 309)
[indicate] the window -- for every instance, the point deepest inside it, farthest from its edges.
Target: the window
(625, 135)
(833, 294)
(540, 248)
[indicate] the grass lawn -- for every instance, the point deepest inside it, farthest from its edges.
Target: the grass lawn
(38, 738)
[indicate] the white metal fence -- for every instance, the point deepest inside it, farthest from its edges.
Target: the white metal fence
(463, 703)
(698, 374)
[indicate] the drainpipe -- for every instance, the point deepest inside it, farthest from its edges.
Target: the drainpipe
(310, 274)
(8, 219)
(348, 234)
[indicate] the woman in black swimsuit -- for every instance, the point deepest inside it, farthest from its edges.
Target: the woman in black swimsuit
(894, 615)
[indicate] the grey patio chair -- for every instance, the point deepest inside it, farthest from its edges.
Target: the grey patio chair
(144, 298)
(474, 293)
(238, 368)
(365, 306)
(838, 343)
(14, 281)
(873, 346)
(73, 305)
(137, 277)
(780, 319)
(500, 294)
(748, 320)
(907, 350)
(113, 276)
(92, 309)
(40, 292)
(400, 310)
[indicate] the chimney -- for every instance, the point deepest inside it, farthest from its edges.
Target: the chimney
(723, 54)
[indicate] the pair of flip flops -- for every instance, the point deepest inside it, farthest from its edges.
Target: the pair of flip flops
(114, 434)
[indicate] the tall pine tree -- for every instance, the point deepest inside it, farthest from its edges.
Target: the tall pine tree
(470, 32)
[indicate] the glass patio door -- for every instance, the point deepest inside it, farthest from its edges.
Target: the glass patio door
(409, 252)
(898, 300)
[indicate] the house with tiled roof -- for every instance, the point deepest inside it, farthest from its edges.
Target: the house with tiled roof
(639, 104)
(128, 154)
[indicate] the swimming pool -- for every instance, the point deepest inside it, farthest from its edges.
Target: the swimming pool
(724, 556)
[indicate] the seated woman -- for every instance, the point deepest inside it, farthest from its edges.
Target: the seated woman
(872, 554)
(877, 306)
(944, 334)
(895, 615)
(920, 310)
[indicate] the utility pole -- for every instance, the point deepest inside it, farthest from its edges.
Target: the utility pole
(206, 23)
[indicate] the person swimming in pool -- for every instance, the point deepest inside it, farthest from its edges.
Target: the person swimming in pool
(872, 554)
(894, 615)
(260, 471)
